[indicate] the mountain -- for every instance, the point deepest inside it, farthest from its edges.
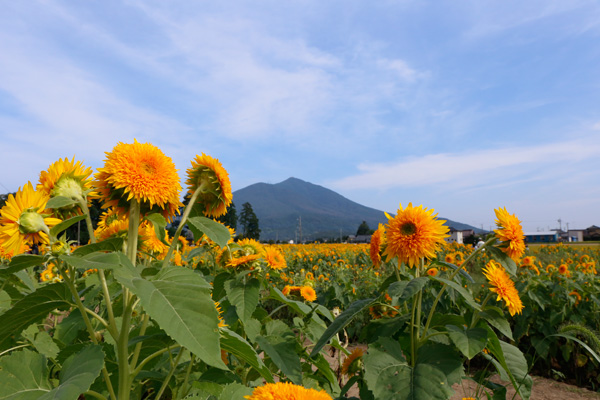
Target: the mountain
(286, 207)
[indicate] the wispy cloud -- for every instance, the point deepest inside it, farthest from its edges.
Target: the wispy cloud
(470, 169)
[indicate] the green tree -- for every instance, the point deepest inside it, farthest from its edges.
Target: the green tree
(249, 222)
(230, 218)
(4, 198)
(363, 229)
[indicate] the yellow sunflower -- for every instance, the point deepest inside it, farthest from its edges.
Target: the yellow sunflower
(414, 233)
(377, 241)
(432, 271)
(69, 179)
(503, 286)
(286, 391)
(142, 172)
(274, 258)
(510, 234)
(208, 174)
(308, 293)
(350, 365)
(23, 221)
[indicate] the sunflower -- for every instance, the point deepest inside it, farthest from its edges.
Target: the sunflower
(432, 271)
(503, 286)
(208, 174)
(251, 246)
(69, 179)
(377, 240)
(286, 391)
(577, 296)
(351, 364)
(528, 261)
(274, 258)
(308, 293)
(142, 172)
(414, 233)
(450, 258)
(510, 234)
(563, 269)
(22, 220)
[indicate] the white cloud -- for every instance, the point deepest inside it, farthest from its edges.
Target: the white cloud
(470, 169)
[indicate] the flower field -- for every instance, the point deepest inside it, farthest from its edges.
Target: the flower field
(138, 314)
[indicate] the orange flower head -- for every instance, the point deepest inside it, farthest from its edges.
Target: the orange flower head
(503, 286)
(274, 258)
(139, 171)
(24, 221)
(414, 233)
(510, 234)
(308, 293)
(377, 241)
(432, 271)
(208, 174)
(286, 391)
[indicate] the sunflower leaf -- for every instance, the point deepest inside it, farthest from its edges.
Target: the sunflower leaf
(60, 201)
(215, 231)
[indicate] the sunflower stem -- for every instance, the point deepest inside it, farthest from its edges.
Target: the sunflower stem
(88, 324)
(184, 217)
(171, 372)
(454, 273)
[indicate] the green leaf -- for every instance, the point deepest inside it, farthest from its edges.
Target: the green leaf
(463, 292)
(60, 201)
(583, 344)
(159, 222)
(495, 316)
(5, 301)
(469, 341)
(112, 244)
(389, 376)
(21, 262)
(340, 323)
(235, 391)
(215, 231)
(450, 265)
(244, 296)
(509, 265)
(283, 353)
(33, 308)
(298, 306)
(56, 229)
(93, 260)
(179, 300)
(511, 364)
(236, 345)
(403, 290)
(79, 372)
(24, 376)
(44, 344)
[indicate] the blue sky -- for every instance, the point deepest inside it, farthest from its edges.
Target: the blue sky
(461, 106)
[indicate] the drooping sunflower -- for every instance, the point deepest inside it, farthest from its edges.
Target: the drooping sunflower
(274, 258)
(142, 172)
(350, 365)
(69, 179)
(503, 286)
(23, 220)
(510, 234)
(286, 391)
(414, 233)
(377, 241)
(208, 174)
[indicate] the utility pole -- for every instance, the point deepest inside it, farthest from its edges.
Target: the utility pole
(560, 224)
(300, 227)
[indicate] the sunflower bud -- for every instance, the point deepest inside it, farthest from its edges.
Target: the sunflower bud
(31, 222)
(69, 187)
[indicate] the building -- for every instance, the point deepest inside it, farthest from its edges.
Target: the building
(456, 236)
(541, 237)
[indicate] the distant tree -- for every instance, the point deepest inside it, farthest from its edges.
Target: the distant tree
(230, 218)
(3, 198)
(249, 222)
(363, 229)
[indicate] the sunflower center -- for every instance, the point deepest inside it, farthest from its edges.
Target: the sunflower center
(148, 168)
(408, 228)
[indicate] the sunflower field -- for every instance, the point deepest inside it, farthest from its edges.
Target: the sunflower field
(138, 314)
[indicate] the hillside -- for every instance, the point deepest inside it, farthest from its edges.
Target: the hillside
(323, 213)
